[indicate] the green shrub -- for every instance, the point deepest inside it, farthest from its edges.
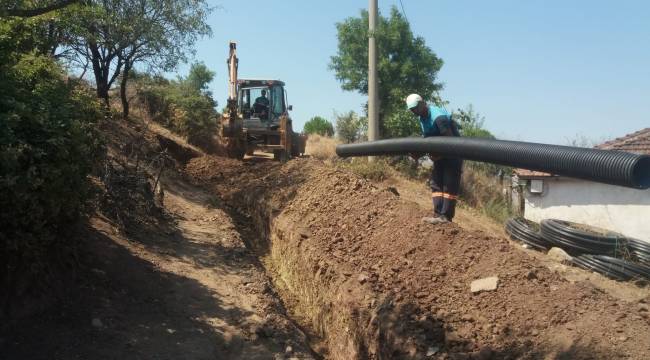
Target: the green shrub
(400, 123)
(194, 117)
(320, 126)
(349, 127)
(48, 145)
(183, 106)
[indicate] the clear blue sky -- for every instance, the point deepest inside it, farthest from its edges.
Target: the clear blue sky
(539, 71)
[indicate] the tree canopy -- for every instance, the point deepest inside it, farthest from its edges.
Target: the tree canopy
(319, 125)
(24, 9)
(199, 77)
(471, 123)
(114, 35)
(405, 65)
(349, 127)
(185, 105)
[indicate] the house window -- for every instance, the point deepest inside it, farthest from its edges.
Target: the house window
(536, 186)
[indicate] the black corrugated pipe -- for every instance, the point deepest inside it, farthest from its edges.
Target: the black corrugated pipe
(606, 166)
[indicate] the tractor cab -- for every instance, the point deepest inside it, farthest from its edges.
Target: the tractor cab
(262, 103)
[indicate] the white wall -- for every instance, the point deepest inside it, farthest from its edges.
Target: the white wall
(615, 208)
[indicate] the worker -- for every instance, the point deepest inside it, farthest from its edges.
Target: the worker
(261, 106)
(262, 100)
(446, 173)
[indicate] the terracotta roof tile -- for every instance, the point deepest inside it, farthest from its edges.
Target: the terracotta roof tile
(531, 173)
(637, 142)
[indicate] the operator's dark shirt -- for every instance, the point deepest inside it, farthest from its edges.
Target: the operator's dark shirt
(262, 100)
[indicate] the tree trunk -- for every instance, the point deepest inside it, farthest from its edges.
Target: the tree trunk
(102, 93)
(101, 81)
(125, 100)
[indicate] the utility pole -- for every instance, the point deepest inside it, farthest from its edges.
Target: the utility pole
(373, 101)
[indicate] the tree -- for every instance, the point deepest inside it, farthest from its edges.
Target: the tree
(166, 31)
(185, 105)
(199, 77)
(401, 123)
(15, 8)
(49, 144)
(405, 65)
(471, 123)
(348, 127)
(318, 125)
(115, 35)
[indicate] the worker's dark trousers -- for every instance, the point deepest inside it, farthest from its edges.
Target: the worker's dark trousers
(445, 184)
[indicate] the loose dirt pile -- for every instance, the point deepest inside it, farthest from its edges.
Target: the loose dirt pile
(356, 264)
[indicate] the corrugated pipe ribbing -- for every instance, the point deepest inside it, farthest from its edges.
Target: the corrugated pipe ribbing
(605, 166)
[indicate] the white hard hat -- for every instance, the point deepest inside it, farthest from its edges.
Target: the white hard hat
(413, 100)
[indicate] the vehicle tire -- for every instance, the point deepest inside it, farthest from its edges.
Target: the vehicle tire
(297, 145)
(280, 155)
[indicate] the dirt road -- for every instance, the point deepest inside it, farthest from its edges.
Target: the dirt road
(188, 290)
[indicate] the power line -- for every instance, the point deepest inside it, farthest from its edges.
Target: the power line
(404, 12)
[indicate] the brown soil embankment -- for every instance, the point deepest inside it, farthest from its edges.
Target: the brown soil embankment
(355, 265)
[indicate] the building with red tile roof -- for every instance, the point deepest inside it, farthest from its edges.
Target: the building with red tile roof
(544, 196)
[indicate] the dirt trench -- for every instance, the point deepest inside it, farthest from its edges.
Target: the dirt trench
(262, 260)
(173, 280)
(354, 265)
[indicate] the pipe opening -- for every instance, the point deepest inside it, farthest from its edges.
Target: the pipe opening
(641, 173)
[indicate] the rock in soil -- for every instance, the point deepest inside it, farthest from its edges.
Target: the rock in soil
(559, 255)
(485, 284)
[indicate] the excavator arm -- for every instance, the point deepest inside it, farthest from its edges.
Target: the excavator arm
(232, 133)
(233, 64)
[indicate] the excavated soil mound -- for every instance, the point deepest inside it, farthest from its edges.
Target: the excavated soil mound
(356, 265)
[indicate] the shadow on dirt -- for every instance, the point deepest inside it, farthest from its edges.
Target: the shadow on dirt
(404, 331)
(123, 307)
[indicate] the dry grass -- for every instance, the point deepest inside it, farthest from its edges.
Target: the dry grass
(324, 148)
(482, 191)
(321, 147)
(377, 170)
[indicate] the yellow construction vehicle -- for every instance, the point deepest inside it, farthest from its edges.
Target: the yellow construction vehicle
(257, 117)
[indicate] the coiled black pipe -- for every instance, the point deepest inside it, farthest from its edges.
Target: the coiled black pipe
(640, 250)
(616, 269)
(525, 231)
(588, 263)
(572, 239)
(606, 166)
